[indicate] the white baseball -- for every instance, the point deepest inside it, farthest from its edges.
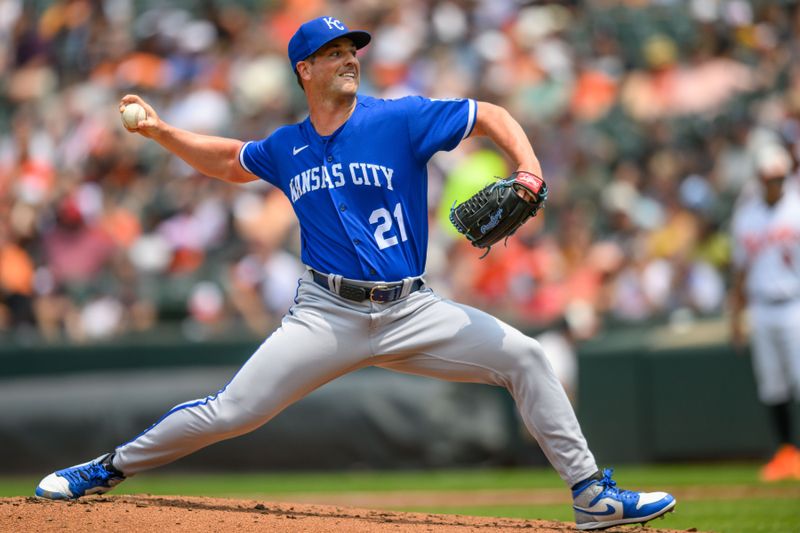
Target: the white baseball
(132, 115)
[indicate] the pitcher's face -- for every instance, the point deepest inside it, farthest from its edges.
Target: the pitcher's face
(334, 68)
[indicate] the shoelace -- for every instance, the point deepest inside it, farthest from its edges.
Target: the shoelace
(610, 485)
(88, 473)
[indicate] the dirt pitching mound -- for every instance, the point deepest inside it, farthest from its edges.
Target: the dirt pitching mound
(182, 514)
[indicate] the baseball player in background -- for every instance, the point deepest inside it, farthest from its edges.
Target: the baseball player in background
(766, 281)
(355, 172)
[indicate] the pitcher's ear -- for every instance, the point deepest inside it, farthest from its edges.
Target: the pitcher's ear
(304, 70)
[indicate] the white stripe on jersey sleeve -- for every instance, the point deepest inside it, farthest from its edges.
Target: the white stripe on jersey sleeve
(241, 157)
(471, 114)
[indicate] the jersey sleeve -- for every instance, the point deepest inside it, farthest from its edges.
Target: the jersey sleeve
(256, 158)
(436, 125)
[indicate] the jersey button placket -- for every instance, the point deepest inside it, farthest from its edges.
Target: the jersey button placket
(342, 206)
(328, 146)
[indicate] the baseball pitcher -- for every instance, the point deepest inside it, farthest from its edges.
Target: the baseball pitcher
(355, 173)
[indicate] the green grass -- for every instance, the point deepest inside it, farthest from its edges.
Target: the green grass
(757, 513)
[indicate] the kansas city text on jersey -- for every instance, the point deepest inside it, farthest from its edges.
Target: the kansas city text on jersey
(316, 178)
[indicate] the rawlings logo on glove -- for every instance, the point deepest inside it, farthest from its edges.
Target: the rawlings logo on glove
(499, 209)
(494, 220)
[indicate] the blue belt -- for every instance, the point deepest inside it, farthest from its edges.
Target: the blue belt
(378, 292)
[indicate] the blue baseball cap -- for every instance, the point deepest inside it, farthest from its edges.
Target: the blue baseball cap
(315, 34)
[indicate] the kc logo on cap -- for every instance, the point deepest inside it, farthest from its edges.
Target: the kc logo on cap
(333, 23)
(316, 33)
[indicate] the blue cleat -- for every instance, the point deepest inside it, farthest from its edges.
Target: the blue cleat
(599, 504)
(94, 477)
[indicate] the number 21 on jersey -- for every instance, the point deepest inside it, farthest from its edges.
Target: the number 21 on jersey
(383, 218)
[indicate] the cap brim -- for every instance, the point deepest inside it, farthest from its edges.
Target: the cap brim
(360, 38)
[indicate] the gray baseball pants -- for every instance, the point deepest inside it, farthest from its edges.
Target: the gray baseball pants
(325, 336)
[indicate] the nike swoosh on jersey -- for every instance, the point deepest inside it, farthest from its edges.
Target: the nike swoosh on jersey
(296, 151)
(609, 510)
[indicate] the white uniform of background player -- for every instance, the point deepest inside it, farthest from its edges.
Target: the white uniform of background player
(766, 239)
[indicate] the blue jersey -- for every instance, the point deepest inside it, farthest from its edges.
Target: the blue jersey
(360, 194)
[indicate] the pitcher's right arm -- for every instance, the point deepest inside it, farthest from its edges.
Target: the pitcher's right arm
(217, 157)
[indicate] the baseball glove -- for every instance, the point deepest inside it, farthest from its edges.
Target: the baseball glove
(498, 210)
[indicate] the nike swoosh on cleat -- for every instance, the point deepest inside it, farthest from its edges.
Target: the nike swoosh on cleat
(609, 510)
(296, 151)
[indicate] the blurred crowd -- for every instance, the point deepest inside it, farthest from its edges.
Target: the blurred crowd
(646, 116)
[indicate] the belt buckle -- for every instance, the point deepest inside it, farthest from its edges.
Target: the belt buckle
(372, 293)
